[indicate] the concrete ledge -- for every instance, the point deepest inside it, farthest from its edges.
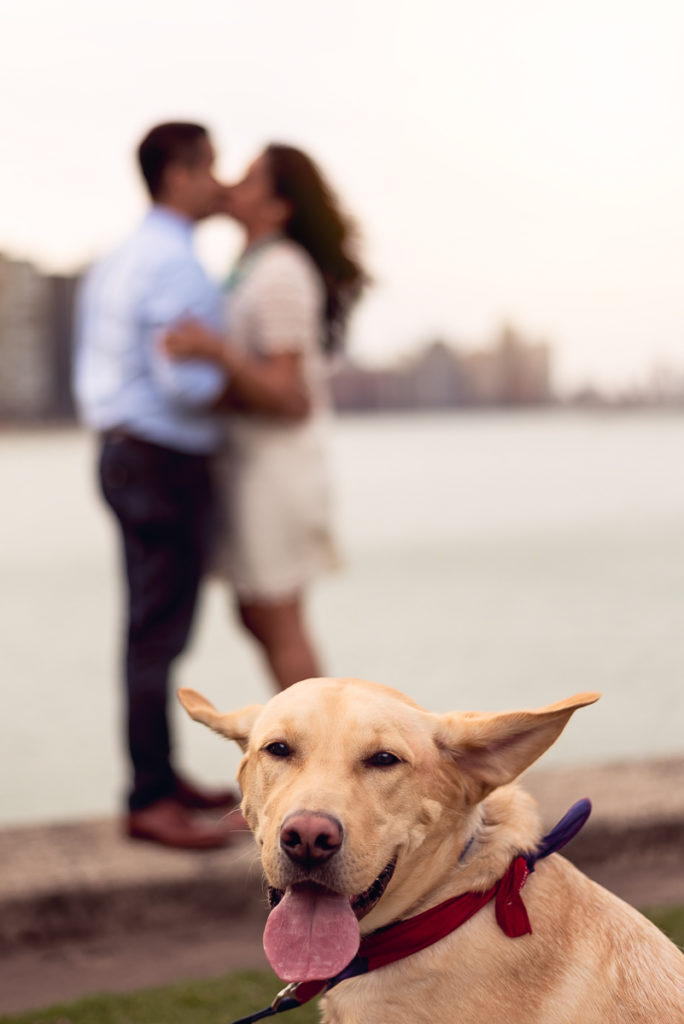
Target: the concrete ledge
(601, 842)
(79, 880)
(77, 914)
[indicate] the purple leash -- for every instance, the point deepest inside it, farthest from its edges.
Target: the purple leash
(561, 834)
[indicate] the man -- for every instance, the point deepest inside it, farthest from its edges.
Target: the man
(157, 431)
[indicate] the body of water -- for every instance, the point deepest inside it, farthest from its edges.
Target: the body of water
(493, 561)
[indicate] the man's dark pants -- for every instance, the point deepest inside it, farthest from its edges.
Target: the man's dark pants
(164, 504)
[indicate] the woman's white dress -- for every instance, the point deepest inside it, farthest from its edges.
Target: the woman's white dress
(273, 475)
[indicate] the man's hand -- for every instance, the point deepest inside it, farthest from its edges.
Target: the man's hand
(191, 340)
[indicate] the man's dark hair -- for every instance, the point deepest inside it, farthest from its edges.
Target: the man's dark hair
(171, 143)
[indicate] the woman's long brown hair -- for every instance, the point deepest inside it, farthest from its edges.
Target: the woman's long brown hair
(319, 226)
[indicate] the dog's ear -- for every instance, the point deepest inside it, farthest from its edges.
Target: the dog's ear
(491, 750)
(236, 725)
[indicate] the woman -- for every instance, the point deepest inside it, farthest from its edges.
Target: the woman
(288, 299)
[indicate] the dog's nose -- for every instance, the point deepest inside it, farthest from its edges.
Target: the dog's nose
(309, 838)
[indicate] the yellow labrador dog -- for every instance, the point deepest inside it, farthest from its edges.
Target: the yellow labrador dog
(402, 865)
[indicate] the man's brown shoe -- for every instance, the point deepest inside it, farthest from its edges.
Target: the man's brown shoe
(167, 823)
(199, 799)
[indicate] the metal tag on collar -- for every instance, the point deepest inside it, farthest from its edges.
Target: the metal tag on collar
(287, 993)
(285, 1000)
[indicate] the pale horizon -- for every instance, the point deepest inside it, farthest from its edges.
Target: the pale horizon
(504, 165)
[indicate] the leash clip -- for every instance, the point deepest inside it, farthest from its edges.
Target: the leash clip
(284, 994)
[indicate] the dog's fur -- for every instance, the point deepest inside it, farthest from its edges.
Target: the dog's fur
(591, 959)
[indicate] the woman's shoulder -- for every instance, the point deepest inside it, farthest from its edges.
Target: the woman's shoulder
(286, 258)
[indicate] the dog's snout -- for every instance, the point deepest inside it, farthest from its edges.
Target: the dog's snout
(309, 838)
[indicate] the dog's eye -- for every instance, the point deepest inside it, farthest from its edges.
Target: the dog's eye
(383, 759)
(278, 749)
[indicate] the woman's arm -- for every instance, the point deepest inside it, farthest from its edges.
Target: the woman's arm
(272, 385)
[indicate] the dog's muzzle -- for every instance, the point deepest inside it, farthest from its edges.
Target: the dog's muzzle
(362, 903)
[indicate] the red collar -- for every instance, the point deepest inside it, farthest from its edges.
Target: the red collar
(407, 937)
(402, 939)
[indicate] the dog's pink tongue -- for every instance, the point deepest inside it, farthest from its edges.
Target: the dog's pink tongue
(311, 934)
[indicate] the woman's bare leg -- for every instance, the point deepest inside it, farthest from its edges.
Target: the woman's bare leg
(282, 633)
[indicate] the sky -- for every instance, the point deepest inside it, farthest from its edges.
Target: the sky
(505, 162)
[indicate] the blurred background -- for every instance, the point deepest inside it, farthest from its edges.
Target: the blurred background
(510, 435)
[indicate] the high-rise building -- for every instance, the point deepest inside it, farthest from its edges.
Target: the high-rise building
(36, 317)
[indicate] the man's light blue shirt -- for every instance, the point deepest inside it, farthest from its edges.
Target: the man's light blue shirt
(122, 377)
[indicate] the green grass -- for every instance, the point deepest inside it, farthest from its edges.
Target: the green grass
(671, 921)
(198, 1002)
(222, 1000)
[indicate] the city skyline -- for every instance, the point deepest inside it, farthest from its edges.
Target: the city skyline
(507, 370)
(505, 164)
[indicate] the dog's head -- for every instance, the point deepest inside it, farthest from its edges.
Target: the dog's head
(346, 784)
